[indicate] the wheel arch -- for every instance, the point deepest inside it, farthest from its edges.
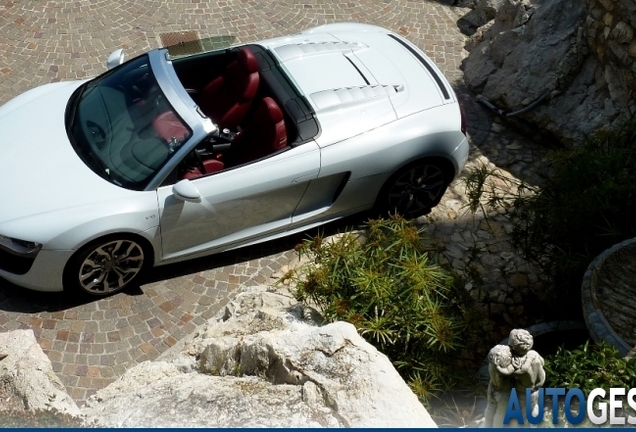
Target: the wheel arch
(444, 163)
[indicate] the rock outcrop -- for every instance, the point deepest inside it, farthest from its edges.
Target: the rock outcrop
(263, 362)
(572, 63)
(482, 12)
(26, 375)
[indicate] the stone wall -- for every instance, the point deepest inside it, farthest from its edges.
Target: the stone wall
(611, 31)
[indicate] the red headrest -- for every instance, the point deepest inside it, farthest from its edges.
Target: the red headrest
(247, 60)
(270, 107)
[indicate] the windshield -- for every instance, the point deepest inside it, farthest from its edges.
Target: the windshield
(123, 127)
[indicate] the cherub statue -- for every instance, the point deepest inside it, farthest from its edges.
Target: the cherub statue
(501, 382)
(510, 366)
(528, 367)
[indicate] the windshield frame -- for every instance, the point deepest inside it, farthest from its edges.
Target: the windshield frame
(201, 125)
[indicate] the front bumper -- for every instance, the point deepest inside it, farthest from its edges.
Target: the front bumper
(45, 273)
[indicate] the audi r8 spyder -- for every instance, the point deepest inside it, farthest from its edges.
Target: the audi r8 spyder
(167, 157)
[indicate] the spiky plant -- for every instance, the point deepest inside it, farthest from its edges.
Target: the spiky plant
(385, 282)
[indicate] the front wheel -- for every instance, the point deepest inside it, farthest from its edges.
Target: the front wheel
(106, 266)
(414, 190)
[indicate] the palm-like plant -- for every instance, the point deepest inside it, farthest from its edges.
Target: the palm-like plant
(385, 282)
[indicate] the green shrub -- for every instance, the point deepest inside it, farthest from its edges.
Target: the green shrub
(589, 367)
(586, 204)
(385, 282)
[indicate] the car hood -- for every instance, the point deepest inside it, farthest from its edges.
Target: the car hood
(39, 169)
(360, 73)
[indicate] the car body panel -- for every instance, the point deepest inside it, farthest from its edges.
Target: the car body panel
(333, 69)
(47, 271)
(370, 158)
(45, 274)
(335, 83)
(378, 102)
(43, 153)
(42, 189)
(58, 89)
(359, 81)
(420, 91)
(76, 225)
(237, 204)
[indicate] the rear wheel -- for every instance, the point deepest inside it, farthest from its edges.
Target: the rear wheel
(415, 189)
(106, 266)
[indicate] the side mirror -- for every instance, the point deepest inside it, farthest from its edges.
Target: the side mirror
(115, 58)
(186, 191)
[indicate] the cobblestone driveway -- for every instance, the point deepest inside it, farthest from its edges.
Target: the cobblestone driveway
(42, 41)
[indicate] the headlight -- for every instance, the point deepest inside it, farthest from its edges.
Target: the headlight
(19, 247)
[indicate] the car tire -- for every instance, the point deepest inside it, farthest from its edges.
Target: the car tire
(106, 266)
(415, 189)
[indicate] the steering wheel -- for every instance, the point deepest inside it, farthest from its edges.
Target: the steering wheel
(97, 134)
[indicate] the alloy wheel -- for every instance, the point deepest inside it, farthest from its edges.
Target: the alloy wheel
(109, 267)
(415, 191)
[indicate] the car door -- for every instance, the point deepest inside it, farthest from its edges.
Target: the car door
(237, 205)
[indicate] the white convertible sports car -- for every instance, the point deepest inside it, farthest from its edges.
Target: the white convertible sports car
(166, 158)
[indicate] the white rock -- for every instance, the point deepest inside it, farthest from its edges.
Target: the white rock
(260, 364)
(26, 373)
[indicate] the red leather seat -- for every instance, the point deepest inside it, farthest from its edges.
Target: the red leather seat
(228, 97)
(265, 134)
(210, 165)
(167, 125)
